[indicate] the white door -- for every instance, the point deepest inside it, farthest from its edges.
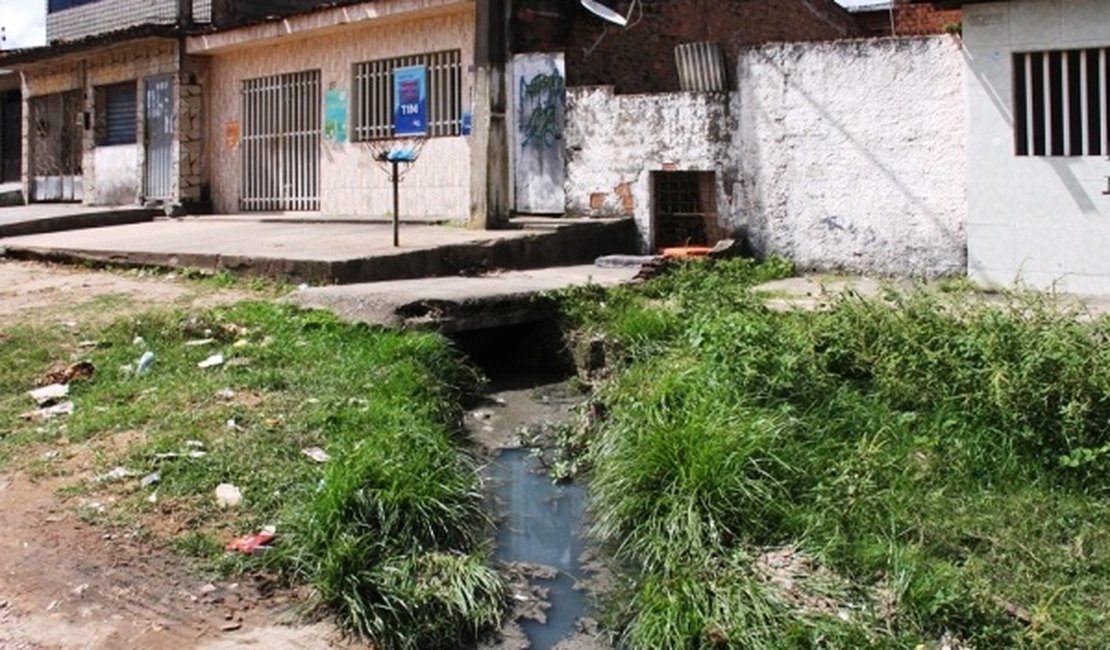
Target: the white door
(539, 119)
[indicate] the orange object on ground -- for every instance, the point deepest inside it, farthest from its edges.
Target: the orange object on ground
(685, 251)
(250, 543)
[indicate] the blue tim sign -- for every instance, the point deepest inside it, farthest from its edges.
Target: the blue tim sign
(410, 101)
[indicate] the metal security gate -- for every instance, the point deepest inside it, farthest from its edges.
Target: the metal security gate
(281, 142)
(158, 138)
(55, 144)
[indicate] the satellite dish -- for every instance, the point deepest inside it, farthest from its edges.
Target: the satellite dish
(603, 12)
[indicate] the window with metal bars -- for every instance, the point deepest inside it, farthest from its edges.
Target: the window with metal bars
(117, 107)
(373, 95)
(1060, 103)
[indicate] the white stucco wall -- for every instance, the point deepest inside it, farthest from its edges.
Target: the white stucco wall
(351, 183)
(1039, 221)
(614, 142)
(116, 176)
(850, 155)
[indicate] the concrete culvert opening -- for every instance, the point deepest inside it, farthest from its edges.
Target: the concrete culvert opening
(532, 349)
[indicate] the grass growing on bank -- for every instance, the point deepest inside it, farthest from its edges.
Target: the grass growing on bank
(888, 472)
(386, 531)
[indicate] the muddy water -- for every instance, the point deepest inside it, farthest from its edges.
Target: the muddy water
(540, 540)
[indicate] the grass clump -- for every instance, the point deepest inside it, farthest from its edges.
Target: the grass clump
(916, 468)
(386, 531)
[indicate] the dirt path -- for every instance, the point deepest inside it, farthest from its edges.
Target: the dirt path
(65, 583)
(51, 294)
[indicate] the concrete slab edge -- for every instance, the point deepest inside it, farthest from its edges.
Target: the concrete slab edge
(78, 221)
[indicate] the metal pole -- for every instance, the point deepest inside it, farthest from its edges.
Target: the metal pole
(396, 214)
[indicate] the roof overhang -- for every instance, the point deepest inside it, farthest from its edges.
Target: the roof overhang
(61, 51)
(952, 4)
(321, 22)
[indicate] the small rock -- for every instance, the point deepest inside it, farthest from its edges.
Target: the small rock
(208, 588)
(137, 341)
(226, 393)
(80, 589)
(117, 474)
(49, 394)
(231, 627)
(316, 454)
(228, 496)
(50, 412)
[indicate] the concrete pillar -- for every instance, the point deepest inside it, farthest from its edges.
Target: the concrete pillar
(489, 147)
(184, 13)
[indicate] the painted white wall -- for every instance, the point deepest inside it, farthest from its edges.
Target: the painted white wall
(114, 179)
(843, 156)
(850, 154)
(1040, 221)
(615, 142)
(351, 182)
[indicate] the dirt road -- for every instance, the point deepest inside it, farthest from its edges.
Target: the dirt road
(65, 583)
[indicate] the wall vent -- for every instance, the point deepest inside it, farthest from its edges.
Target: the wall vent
(701, 66)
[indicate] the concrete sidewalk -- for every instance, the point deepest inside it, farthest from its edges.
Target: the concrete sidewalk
(327, 251)
(18, 220)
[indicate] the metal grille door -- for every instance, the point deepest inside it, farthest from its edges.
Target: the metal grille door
(55, 143)
(158, 166)
(281, 142)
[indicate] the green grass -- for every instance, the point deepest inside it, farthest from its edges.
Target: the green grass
(939, 462)
(387, 532)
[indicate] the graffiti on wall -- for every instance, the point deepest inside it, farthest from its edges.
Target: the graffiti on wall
(539, 116)
(540, 110)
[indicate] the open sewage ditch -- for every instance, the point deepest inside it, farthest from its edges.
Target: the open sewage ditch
(540, 538)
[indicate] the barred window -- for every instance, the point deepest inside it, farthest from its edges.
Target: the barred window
(1060, 103)
(373, 95)
(117, 108)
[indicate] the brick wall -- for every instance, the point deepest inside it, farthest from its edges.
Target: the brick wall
(909, 20)
(919, 20)
(640, 57)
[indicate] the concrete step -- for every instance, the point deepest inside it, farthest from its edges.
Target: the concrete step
(10, 195)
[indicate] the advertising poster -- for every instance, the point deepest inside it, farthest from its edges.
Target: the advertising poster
(410, 101)
(335, 115)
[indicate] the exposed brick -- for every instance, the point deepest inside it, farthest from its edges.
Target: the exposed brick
(640, 58)
(597, 200)
(624, 191)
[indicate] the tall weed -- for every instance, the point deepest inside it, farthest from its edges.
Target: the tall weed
(856, 434)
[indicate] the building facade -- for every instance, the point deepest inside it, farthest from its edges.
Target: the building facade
(1037, 88)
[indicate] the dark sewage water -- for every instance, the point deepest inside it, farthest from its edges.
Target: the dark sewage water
(541, 522)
